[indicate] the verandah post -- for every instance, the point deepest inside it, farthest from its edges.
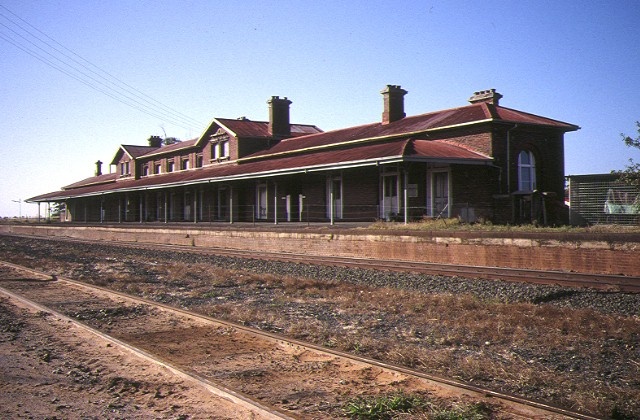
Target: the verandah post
(275, 203)
(332, 202)
(231, 205)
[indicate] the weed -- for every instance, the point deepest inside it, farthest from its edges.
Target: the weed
(455, 224)
(384, 407)
(618, 414)
(399, 405)
(478, 411)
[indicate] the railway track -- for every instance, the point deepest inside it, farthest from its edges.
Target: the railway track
(606, 282)
(276, 377)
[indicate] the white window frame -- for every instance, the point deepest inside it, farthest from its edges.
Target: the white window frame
(528, 168)
(225, 148)
(124, 168)
(221, 150)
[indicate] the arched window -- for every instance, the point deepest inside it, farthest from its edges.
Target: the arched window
(526, 171)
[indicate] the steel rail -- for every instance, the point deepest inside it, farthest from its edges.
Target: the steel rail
(214, 388)
(446, 383)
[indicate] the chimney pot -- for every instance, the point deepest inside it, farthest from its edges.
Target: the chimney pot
(279, 124)
(98, 168)
(155, 141)
(489, 96)
(393, 104)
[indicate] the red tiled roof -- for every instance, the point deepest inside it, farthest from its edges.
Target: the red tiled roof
(352, 146)
(509, 115)
(181, 145)
(137, 151)
(470, 114)
(441, 149)
(94, 180)
(246, 128)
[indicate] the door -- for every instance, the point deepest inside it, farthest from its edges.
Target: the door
(261, 202)
(390, 200)
(441, 194)
(334, 192)
(223, 204)
(187, 206)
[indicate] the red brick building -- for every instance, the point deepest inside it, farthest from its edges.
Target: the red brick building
(479, 161)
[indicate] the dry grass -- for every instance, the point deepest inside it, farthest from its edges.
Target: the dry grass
(541, 350)
(455, 224)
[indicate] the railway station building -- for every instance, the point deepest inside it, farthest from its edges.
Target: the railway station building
(480, 161)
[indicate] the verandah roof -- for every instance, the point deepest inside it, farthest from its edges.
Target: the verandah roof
(390, 151)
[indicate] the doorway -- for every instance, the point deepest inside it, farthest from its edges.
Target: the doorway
(261, 202)
(390, 200)
(334, 191)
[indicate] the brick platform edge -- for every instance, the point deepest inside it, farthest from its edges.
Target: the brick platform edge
(586, 253)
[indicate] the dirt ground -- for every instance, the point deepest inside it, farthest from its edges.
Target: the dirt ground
(300, 380)
(578, 358)
(50, 369)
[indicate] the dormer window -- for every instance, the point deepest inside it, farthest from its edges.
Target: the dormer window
(170, 165)
(124, 168)
(158, 168)
(221, 150)
(184, 164)
(199, 161)
(145, 170)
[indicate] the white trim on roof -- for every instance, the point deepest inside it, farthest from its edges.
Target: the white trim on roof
(277, 172)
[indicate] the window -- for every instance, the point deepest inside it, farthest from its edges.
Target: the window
(124, 168)
(145, 170)
(225, 148)
(170, 165)
(199, 161)
(184, 164)
(526, 171)
(158, 169)
(221, 150)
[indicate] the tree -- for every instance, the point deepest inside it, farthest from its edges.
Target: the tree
(171, 140)
(631, 174)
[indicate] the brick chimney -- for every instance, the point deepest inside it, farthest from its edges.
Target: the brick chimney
(393, 104)
(155, 141)
(279, 117)
(98, 168)
(489, 96)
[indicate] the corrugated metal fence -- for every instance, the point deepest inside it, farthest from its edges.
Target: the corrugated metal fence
(602, 199)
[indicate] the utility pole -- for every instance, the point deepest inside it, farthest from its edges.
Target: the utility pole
(19, 201)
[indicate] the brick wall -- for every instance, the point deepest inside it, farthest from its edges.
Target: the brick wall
(588, 254)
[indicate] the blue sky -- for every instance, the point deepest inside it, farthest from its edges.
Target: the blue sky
(569, 60)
